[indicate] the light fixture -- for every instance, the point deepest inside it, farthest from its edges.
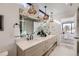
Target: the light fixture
(46, 17)
(51, 17)
(15, 25)
(32, 10)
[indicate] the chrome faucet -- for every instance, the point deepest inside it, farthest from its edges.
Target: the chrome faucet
(29, 36)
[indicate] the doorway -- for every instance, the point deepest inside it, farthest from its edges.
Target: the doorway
(68, 27)
(68, 30)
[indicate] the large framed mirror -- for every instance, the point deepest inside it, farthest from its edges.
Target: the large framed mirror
(26, 26)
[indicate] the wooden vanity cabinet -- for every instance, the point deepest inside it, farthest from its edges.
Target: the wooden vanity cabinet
(39, 49)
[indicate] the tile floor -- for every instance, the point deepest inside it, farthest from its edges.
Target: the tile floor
(67, 47)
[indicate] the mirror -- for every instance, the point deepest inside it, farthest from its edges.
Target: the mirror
(26, 26)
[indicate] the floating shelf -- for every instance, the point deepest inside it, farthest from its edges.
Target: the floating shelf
(32, 18)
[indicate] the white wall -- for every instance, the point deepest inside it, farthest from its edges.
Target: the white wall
(56, 30)
(11, 16)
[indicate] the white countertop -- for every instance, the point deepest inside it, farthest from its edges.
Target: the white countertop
(4, 53)
(25, 44)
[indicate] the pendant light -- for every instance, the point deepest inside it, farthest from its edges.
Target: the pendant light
(46, 17)
(32, 10)
(51, 17)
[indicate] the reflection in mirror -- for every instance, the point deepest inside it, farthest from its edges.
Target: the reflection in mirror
(26, 26)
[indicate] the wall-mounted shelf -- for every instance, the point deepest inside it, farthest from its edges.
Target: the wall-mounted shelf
(32, 18)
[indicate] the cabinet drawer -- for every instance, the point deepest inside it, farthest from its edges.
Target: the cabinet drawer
(50, 42)
(36, 50)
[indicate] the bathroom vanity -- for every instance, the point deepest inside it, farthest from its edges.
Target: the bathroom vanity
(37, 47)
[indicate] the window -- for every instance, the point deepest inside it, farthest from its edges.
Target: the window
(68, 27)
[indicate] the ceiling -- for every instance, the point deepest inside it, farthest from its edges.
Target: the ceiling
(60, 10)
